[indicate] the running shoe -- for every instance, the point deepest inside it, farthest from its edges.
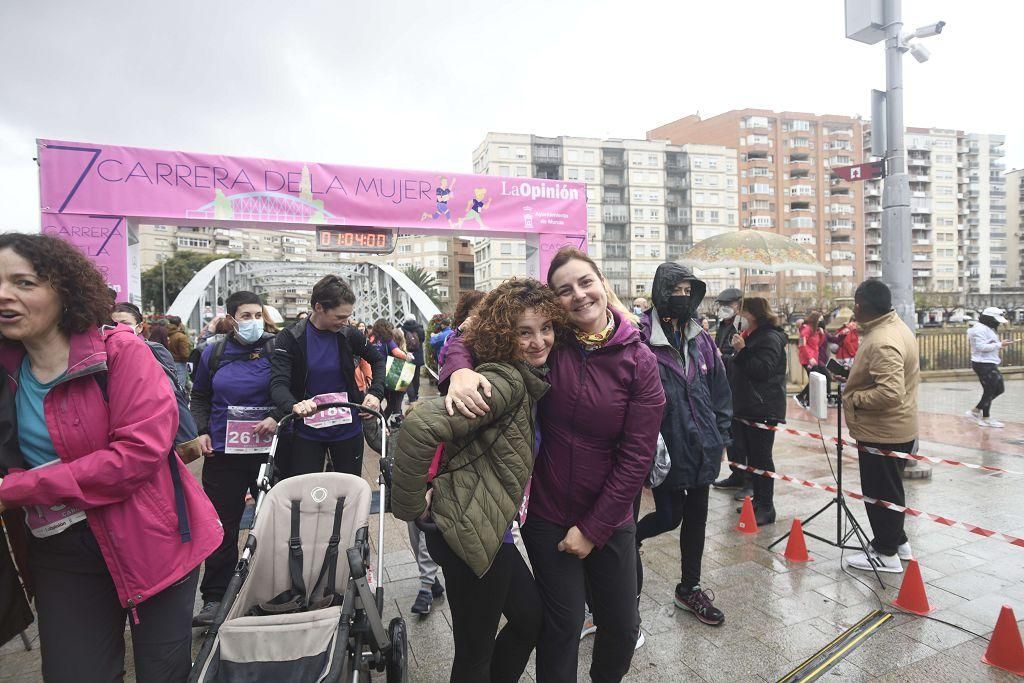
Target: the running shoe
(424, 600)
(872, 560)
(588, 625)
(989, 422)
(974, 415)
(206, 614)
(733, 481)
(701, 603)
(904, 552)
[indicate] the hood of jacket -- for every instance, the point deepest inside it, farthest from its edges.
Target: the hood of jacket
(670, 274)
(414, 327)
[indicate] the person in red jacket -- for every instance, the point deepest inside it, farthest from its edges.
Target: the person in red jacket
(118, 525)
(809, 347)
(598, 430)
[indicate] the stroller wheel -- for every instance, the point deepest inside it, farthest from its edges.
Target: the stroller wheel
(397, 664)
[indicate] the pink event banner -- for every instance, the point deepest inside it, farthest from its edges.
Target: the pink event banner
(104, 239)
(84, 178)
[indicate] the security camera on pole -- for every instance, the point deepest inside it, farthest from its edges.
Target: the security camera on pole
(871, 21)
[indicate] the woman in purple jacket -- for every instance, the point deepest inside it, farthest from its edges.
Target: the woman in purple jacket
(599, 428)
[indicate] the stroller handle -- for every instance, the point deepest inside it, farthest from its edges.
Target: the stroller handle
(358, 407)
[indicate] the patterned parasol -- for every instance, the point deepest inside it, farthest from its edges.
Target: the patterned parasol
(753, 250)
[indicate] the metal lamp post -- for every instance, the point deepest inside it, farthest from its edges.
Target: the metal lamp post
(871, 21)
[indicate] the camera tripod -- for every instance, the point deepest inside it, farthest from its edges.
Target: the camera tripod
(842, 508)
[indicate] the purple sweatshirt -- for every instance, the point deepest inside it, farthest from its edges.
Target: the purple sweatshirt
(600, 423)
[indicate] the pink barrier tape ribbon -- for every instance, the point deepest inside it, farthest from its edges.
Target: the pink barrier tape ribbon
(946, 521)
(876, 451)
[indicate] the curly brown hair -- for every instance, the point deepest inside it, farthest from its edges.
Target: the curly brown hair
(492, 338)
(81, 287)
(467, 302)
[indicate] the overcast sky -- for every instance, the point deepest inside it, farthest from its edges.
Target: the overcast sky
(414, 84)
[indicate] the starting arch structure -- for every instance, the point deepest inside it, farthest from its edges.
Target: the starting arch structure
(95, 196)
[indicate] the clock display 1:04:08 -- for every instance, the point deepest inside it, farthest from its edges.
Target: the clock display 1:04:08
(365, 239)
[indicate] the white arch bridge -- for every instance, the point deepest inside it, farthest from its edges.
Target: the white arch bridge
(381, 290)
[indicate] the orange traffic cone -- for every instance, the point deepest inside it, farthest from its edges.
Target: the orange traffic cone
(796, 546)
(1005, 650)
(912, 597)
(747, 523)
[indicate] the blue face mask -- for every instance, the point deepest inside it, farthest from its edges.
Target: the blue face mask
(249, 331)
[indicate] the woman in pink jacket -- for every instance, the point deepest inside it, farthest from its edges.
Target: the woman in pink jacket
(117, 526)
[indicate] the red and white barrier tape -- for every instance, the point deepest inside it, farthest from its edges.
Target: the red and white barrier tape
(878, 451)
(973, 528)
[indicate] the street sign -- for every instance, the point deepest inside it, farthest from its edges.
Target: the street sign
(869, 171)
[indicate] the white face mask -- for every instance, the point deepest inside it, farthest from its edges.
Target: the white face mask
(726, 312)
(741, 323)
(249, 331)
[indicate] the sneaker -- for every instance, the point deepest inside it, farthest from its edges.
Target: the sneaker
(700, 603)
(640, 641)
(206, 614)
(872, 560)
(989, 422)
(731, 482)
(588, 626)
(437, 590)
(799, 402)
(743, 493)
(904, 552)
(975, 415)
(424, 599)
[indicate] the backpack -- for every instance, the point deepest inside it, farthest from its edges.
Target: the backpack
(185, 440)
(412, 342)
(187, 430)
(218, 351)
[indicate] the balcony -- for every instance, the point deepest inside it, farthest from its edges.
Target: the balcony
(873, 258)
(677, 183)
(873, 241)
(922, 241)
(615, 217)
(612, 180)
(677, 219)
(922, 273)
(873, 191)
(799, 158)
(612, 161)
(920, 209)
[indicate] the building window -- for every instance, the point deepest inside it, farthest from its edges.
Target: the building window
(193, 242)
(638, 214)
(699, 214)
(589, 175)
(713, 216)
(572, 155)
(503, 170)
(503, 152)
(520, 153)
(506, 248)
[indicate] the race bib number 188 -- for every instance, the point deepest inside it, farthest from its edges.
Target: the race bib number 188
(331, 416)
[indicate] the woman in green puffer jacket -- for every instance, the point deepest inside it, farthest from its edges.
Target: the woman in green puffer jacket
(467, 510)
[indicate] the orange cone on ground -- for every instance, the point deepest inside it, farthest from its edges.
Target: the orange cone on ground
(796, 546)
(912, 597)
(747, 523)
(1005, 650)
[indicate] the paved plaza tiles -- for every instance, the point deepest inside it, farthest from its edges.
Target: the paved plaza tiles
(777, 613)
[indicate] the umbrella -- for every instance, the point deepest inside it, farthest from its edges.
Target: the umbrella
(753, 250)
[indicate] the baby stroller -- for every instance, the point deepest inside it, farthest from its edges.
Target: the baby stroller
(296, 608)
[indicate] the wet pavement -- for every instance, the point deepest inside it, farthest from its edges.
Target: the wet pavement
(779, 613)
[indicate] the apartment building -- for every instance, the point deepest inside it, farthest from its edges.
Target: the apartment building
(639, 208)
(255, 244)
(784, 162)
(958, 214)
(1015, 228)
(449, 261)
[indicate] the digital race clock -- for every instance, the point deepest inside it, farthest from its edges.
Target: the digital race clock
(347, 238)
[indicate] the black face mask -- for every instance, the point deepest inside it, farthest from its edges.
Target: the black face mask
(678, 308)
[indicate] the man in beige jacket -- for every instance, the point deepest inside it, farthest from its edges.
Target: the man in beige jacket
(880, 400)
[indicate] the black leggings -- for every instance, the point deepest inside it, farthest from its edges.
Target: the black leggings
(687, 508)
(393, 399)
(756, 445)
(991, 385)
(226, 479)
(477, 604)
(805, 393)
(81, 621)
(308, 456)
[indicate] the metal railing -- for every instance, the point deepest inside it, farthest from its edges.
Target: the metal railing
(940, 349)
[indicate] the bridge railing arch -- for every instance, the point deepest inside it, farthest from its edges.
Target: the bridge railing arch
(381, 290)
